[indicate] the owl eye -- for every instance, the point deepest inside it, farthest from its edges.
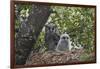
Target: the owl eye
(63, 37)
(49, 28)
(52, 28)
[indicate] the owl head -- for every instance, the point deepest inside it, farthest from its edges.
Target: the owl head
(50, 27)
(65, 37)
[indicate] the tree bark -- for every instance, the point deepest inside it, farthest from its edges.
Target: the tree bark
(29, 31)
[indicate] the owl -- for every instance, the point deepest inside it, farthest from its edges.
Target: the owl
(64, 43)
(51, 36)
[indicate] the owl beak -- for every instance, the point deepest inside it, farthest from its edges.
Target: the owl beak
(51, 30)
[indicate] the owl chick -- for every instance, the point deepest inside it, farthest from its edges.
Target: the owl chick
(64, 43)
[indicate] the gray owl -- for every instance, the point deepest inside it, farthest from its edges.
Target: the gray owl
(64, 43)
(51, 36)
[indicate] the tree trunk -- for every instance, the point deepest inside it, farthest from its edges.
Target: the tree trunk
(29, 30)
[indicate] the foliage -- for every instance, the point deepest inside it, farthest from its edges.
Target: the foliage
(21, 11)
